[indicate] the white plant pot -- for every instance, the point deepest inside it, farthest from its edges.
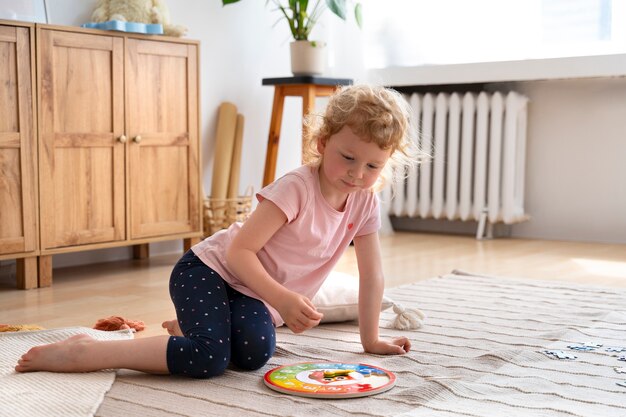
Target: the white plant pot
(308, 57)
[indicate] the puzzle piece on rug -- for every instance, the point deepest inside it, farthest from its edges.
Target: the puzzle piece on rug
(559, 354)
(616, 349)
(587, 346)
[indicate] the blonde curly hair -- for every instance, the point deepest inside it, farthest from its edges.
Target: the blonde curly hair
(375, 114)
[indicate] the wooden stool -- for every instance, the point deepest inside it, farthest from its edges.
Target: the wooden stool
(307, 87)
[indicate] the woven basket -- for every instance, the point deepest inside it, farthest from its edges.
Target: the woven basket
(219, 213)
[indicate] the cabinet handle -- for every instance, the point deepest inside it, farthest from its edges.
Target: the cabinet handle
(122, 138)
(137, 139)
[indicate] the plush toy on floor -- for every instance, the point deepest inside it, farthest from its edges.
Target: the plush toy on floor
(113, 323)
(142, 11)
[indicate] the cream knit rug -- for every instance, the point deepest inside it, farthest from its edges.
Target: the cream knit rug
(480, 353)
(46, 393)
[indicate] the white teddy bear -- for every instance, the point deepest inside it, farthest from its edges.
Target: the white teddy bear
(142, 11)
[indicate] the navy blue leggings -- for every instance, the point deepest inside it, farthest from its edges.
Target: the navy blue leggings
(219, 324)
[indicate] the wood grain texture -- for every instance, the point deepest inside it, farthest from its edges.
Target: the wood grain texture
(71, 166)
(82, 115)
(18, 152)
(44, 267)
(26, 273)
(162, 102)
(308, 93)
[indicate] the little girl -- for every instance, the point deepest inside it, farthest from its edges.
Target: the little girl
(231, 290)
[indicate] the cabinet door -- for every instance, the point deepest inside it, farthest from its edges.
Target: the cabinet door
(162, 122)
(81, 122)
(18, 177)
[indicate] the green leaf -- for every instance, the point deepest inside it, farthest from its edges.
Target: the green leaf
(303, 4)
(338, 7)
(300, 21)
(358, 15)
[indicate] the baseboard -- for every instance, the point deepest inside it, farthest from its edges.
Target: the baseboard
(455, 227)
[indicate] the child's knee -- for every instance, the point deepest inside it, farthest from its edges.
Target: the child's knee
(251, 356)
(214, 361)
(250, 362)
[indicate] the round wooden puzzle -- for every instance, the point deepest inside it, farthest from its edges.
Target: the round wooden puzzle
(329, 379)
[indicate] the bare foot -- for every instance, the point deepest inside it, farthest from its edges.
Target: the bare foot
(69, 355)
(172, 327)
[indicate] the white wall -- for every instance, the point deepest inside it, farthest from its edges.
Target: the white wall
(576, 160)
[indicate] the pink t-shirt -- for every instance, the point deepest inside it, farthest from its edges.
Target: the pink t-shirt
(302, 253)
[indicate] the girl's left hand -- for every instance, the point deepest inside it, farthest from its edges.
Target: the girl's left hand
(397, 346)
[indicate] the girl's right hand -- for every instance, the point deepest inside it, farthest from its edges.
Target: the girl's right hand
(298, 312)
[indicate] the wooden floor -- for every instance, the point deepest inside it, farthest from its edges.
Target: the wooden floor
(137, 289)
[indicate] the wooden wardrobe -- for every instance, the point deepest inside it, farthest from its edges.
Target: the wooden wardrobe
(113, 146)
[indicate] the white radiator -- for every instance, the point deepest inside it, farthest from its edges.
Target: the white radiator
(476, 172)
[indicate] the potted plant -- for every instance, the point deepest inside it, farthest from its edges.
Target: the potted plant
(308, 57)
